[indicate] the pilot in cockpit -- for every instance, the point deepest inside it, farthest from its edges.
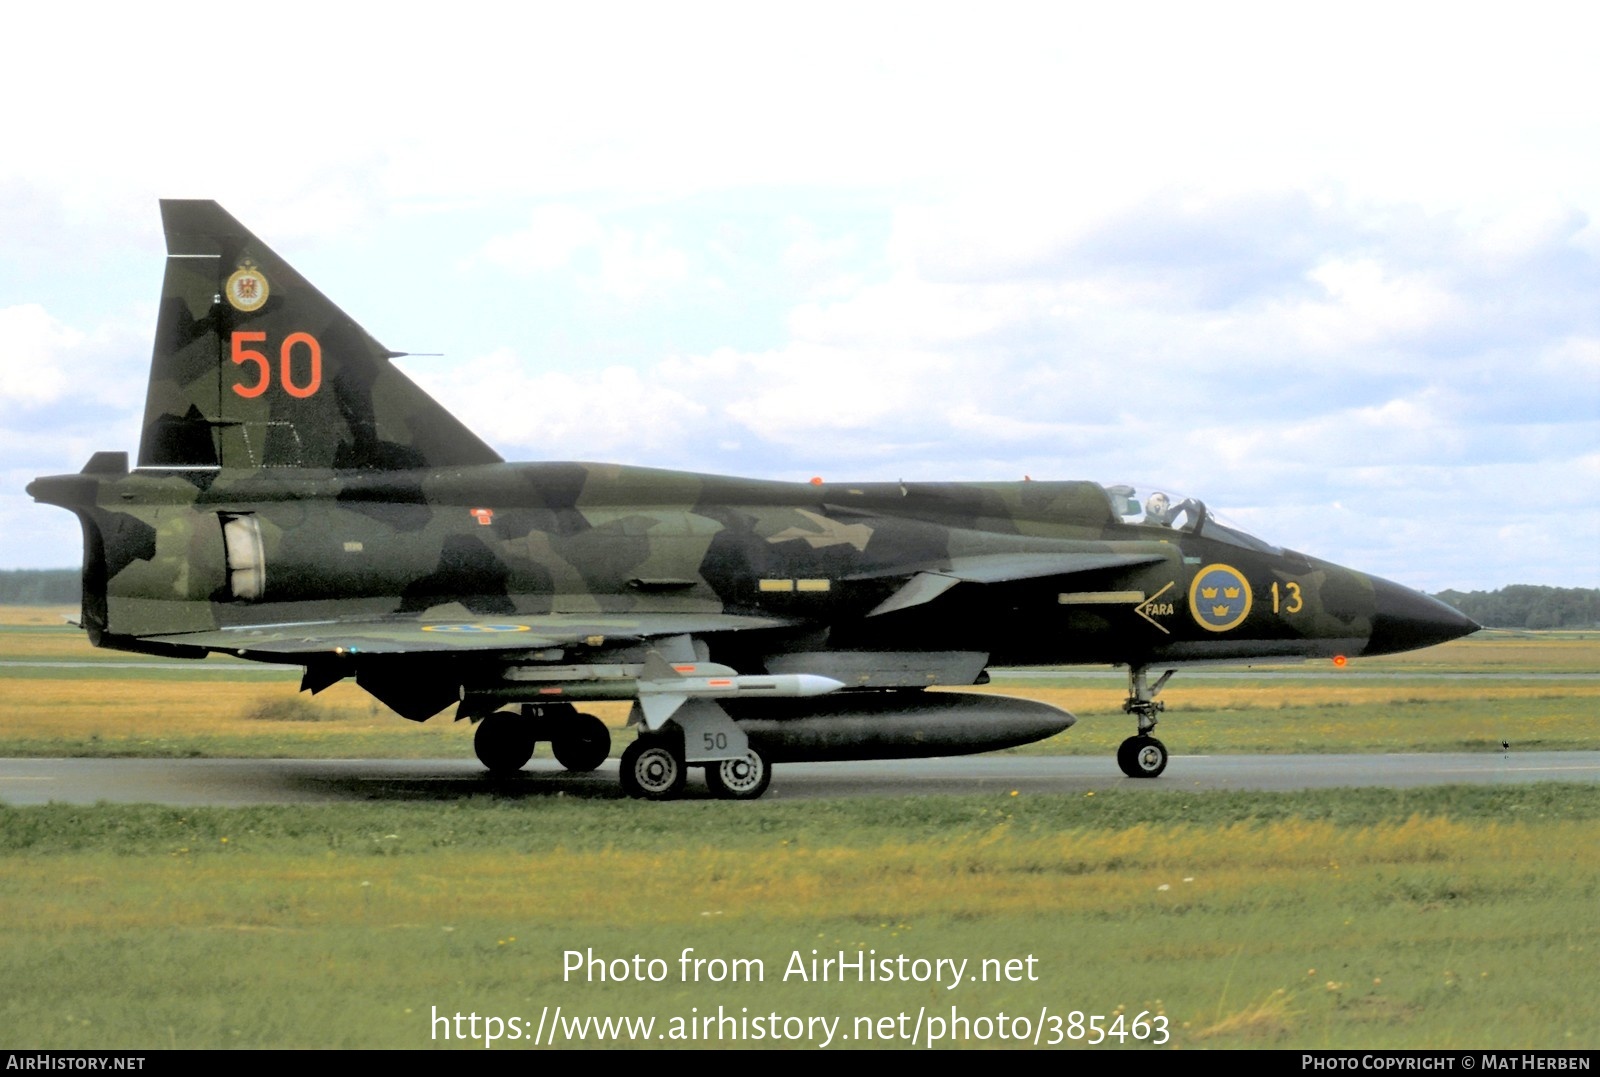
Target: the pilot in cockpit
(1159, 509)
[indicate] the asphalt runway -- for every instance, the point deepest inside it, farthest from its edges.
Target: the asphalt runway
(236, 782)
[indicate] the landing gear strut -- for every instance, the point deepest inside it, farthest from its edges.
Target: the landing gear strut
(1143, 756)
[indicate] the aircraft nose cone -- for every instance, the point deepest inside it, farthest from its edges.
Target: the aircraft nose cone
(1405, 620)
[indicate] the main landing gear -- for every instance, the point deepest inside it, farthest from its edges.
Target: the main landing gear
(739, 779)
(505, 740)
(653, 768)
(1142, 756)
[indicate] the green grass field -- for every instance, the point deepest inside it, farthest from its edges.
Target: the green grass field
(1445, 917)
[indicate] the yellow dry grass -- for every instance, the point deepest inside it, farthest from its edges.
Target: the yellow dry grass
(144, 708)
(1268, 1019)
(1494, 651)
(37, 615)
(1195, 694)
(132, 707)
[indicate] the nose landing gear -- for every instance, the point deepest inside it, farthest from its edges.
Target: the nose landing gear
(1143, 756)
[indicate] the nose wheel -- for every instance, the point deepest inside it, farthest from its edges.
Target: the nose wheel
(1142, 757)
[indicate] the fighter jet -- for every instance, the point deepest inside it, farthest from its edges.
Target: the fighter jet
(297, 499)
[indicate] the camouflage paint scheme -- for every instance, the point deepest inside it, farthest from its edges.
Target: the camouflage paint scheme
(298, 499)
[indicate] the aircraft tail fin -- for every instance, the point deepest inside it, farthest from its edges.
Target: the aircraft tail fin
(254, 368)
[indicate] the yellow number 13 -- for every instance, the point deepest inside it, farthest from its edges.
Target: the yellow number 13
(1293, 603)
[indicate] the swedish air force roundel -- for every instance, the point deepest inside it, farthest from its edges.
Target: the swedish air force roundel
(1219, 598)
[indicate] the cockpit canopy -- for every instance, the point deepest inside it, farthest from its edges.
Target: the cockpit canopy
(1158, 509)
(1163, 508)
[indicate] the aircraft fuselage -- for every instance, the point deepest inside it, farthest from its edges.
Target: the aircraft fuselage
(507, 540)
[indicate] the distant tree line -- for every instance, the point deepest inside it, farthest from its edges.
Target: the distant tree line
(1527, 606)
(39, 586)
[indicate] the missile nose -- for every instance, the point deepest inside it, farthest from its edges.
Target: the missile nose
(1404, 620)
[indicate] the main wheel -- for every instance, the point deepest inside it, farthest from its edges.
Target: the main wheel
(1142, 757)
(653, 769)
(504, 742)
(582, 743)
(739, 779)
